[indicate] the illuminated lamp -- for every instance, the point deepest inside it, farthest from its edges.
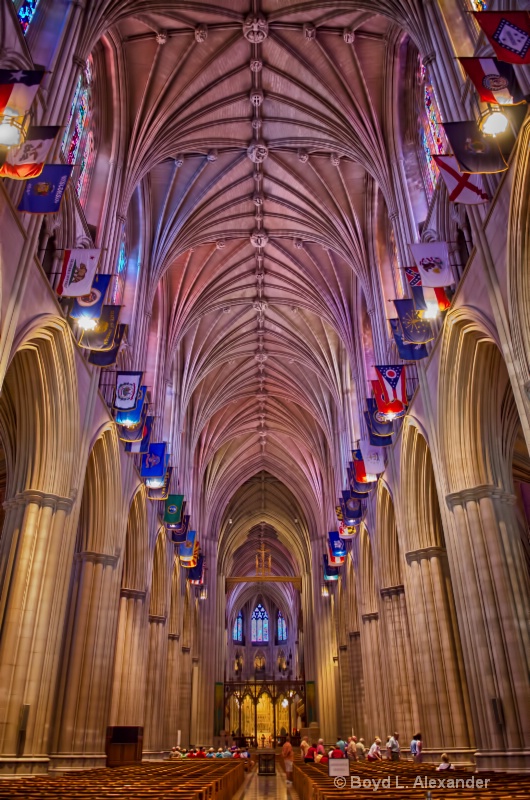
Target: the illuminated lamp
(493, 121)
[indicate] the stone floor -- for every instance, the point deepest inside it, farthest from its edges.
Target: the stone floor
(266, 787)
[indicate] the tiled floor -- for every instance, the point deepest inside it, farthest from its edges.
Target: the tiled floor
(267, 788)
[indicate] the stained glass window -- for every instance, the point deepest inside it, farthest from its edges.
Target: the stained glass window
(237, 633)
(282, 628)
(118, 280)
(25, 11)
(260, 625)
(432, 135)
(78, 140)
(478, 5)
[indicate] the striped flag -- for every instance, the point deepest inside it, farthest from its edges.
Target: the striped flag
(28, 159)
(494, 80)
(18, 88)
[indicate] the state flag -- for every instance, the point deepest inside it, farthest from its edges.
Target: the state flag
(27, 159)
(330, 573)
(406, 350)
(415, 329)
(508, 33)
(108, 358)
(337, 548)
(425, 296)
(18, 88)
(91, 304)
(128, 394)
(358, 489)
(462, 187)
(180, 532)
(388, 409)
(77, 272)
(379, 426)
(373, 457)
(432, 261)
(134, 417)
(143, 445)
(160, 491)
(474, 151)
(187, 548)
(173, 509)
(392, 383)
(351, 508)
(494, 80)
(374, 439)
(346, 531)
(196, 574)
(154, 461)
(43, 195)
(103, 335)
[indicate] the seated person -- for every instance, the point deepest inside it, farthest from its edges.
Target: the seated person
(336, 752)
(311, 752)
(446, 764)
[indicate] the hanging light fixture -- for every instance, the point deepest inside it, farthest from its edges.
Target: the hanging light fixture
(493, 121)
(324, 590)
(86, 323)
(431, 312)
(203, 594)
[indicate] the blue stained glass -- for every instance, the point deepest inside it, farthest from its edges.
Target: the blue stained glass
(122, 258)
(237, 633)
(25, 13)
(260, 625)
(282, 628)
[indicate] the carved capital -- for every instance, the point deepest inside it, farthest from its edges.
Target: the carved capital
(372, 617)
(97, 558)
(479, 493)
(133, 594)
(41, 499)
(159, 619)
(424, 552)
(173, 636)
(391, 591)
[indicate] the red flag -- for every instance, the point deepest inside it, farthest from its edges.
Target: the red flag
(463, 187)
(508, 33)
(18, 88)
(394, 408)
(27, 159)
(494, 80)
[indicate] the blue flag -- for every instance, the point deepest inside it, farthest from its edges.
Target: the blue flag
(43, 195)
(414, 328)
(179, 534)
(337, 547)
(136, 415)
(351, 508)
(91, 304)
(406, 350)
(107, 358)
(378, 424)
(188, 547)
(160, 492)
(154, 461)
(196, 573)
(375, 439)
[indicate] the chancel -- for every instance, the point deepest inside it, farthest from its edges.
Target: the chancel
(264, 395)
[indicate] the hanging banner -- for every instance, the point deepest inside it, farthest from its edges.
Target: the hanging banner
(406, 350)
(432, 262)
(128, 395)
(346, 531)
(43, 195)
(28, 159)
(154, 461)
(508, 33)
(173, 509)
(330, 573)
(159, 492)
(494, 80)
(77, 272)
(179, 533)
(143, 445)
(135, 416)
(373, 457)
(337, 548)
(186, 549)
(108, 358)
(91, 304)
(102, 337)
(462, 187)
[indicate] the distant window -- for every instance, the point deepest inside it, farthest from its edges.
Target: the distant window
(237, 633)
(25, 12)
(260, 625)
(478, 5)
(432, 135)
(282, 628)
(78, 140)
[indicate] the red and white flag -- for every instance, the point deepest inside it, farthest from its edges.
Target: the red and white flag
(346, 531)
(463, 187)
(392, 381)
(385, 406)
(494, 80)
(508, 33)
(432, 261)
(18, 88)
(77, 274)
(28, 159)
(373, 457)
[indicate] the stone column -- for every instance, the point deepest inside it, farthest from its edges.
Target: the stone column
(184, 696)
(154, 744)
(130, 666)
(173, 679)
(491, 586)
(376, 679)
(85, 691)
(398, 650)
(358, 693)
(35, 558)
(439, 678)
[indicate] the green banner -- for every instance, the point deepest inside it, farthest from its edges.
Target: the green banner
(173, 509)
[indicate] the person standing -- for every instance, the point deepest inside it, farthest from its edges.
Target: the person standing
(393, 746)
(342, 744)
(374, 753)
(287, 755)
(416, 748)
(304, 746)
(361, 750)
(351, 750)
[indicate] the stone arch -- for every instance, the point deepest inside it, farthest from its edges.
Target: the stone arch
(390, 572)
(135, 566)
(368, 593)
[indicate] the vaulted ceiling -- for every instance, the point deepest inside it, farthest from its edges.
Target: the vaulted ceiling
(256, 148)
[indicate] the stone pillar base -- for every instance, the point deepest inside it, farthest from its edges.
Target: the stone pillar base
(503, 760)
(74, 762)
(22, 767)
(154, 755)
(460, 757)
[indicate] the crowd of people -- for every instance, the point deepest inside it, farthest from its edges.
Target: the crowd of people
(211, 752)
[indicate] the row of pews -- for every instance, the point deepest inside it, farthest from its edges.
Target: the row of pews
(196, 779)
(407, 781)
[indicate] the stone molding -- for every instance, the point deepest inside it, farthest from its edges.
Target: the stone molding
(97, 558)
(371, 617)
(479, 493)
(186, 649)
(134, 594)
(158, 618)
(42, 499)
(389, 591)
(424, 552)
(354, 634)
(173, 636)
